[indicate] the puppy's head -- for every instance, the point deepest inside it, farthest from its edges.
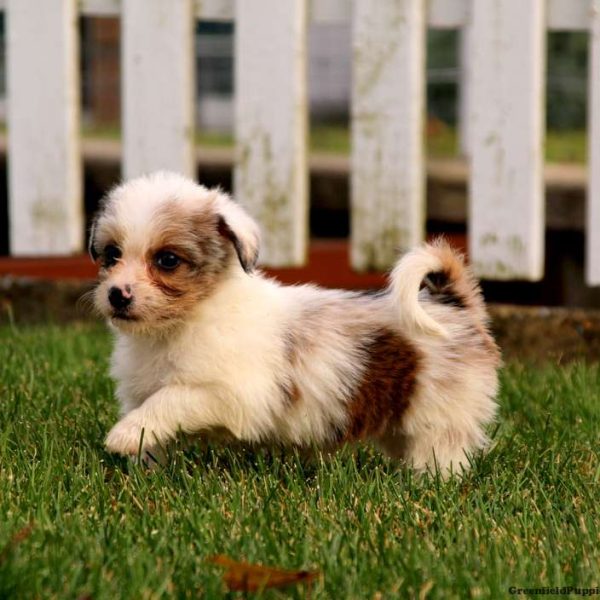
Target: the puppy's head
(164, 244)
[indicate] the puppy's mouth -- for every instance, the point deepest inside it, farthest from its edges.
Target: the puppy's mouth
(120, 315)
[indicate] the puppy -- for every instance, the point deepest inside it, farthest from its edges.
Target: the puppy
(204, 342)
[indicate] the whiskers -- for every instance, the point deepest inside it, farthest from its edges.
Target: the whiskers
(85, 303)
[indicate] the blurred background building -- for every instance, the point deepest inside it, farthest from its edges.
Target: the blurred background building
(329, 75)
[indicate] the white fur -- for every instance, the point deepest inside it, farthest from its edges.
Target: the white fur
(443, 424)
(226, 364)
(406, 279)
(233, 348)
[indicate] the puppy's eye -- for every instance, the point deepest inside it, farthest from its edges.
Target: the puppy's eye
(167, 260)
(110, 255)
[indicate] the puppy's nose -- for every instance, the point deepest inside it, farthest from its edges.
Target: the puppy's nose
(120, 298)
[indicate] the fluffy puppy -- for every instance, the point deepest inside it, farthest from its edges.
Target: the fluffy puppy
(204, 342)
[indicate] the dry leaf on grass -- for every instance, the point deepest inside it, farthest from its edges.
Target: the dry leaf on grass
(15, 540)
(246, 577)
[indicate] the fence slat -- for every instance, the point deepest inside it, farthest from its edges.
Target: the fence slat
(271, 114)
(329, 11)
(447, 14)
(215, 10)
(387, 130)
(506, 234)
(569, 15)
(593, 198)
(100, 8)
(158, 86)
(45, 197)
(465, 89)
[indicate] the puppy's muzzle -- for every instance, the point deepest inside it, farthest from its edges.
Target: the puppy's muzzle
(120, 298)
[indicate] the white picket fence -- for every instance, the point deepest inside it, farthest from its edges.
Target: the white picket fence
(503, 88)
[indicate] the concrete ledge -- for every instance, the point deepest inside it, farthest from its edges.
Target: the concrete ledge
(531, 334)
(31, 301)
(542, 334)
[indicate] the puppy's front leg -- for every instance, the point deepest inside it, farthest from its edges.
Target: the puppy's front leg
(162, 415)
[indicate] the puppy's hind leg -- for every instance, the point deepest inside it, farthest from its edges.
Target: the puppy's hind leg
(445, 452)
(441, 308)
(446, 449)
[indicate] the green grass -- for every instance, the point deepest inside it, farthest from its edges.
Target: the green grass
(567, 146)
(526, 515)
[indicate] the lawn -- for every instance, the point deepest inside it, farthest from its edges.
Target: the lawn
(77, 522)
(441, 141)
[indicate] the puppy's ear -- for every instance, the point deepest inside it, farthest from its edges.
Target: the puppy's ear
(91, 243)
(240, 229)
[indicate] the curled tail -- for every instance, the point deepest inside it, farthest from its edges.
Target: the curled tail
(442, 271)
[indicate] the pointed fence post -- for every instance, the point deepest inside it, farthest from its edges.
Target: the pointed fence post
(593, 207)
(271, 177)
(388, 96)
(158, 86)
(44, 163)
(506, 226)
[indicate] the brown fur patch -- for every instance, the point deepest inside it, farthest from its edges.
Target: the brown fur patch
(246, 258)
(289, 389)
(192, 235)
(106, 233)
(384, 392)
(294, 346)
(290, 393)
(194, 238)
(456, 285)
(456, 281)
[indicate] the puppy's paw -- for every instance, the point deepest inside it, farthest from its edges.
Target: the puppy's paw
(125, 437)
(131, 435)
